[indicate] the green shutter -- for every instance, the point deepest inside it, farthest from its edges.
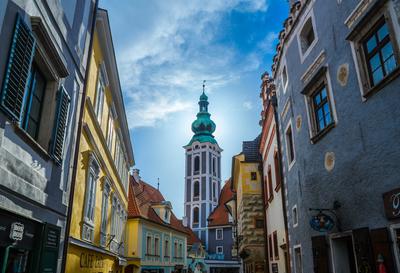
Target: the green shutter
(60, 124)
(17, 71)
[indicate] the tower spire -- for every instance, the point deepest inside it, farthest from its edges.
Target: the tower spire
(204, 86)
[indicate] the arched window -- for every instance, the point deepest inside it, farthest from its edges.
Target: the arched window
(196, 190)
(196, 215)
(213, 167)
(197, 165)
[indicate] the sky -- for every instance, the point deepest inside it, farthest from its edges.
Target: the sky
(165, 49)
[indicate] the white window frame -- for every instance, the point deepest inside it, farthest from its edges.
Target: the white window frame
(304, 55)
(110, 130)
(290, 164)
(193, 215)
(284, 85)
(196, 197)
(395, 250)
(94, 170)
(222, 234)
(219, 252)
(104, 211)
(294, 258)
(167, 247)
(295, 220)
(149, 247)
(157, 246)
(100, 94)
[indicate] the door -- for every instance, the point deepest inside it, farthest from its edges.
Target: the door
(396, 244)
(15, 260)
(343, 255)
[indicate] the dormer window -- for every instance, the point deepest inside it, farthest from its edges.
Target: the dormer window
(166, 215)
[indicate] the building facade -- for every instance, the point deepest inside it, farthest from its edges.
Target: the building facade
(157, 240)
(247, 186)
(336, 73)
(203, 172)
(222, 250)
(43, 60)
(274, 202)
(100, 189)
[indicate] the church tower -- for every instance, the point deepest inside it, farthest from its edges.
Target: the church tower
(203, 172)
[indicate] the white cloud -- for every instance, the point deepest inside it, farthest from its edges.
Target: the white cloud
(166, 48)
(248, 105)
(268, 44)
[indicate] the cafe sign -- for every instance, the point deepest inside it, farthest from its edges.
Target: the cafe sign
(16, 231)
(391, 201)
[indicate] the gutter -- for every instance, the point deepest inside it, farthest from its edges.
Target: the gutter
(78, 137)
(283, 180)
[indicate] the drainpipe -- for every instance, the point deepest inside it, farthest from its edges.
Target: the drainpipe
(266, 260)
(278, 140)
(78, 136)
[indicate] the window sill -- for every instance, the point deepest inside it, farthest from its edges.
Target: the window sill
(385, 81)
(31, 142)
(322, 133)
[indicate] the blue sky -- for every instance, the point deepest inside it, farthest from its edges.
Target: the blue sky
(165, 49)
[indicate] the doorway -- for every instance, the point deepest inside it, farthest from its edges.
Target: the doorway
(396, 244)
(15, 260)
(343, 255)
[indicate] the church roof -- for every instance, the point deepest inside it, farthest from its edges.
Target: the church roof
(203, 127)
(141, 198)
(220, 215)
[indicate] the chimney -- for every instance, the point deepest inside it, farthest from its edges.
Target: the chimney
(135, 174)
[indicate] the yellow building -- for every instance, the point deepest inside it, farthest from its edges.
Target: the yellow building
(96, 241)
(246, 183)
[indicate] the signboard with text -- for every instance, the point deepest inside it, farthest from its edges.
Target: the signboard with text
(391, 201)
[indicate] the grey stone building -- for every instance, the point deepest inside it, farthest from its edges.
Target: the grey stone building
(43, 58)
(336, 75)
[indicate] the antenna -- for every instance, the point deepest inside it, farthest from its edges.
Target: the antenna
(158, 183)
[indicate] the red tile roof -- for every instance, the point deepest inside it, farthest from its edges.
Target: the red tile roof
(141, 198)
(220, 215)
(191, 237)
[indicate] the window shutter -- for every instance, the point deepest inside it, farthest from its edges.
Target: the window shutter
(60, 124)
(362, 245)
(320, 254)
(17, 71)
(381, 244)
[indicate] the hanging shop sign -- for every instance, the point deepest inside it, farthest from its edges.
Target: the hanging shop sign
(322, 222)
(391, 201)
(16, 231)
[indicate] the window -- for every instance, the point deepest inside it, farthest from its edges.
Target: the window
(289, 145)
(376, 49)
(196, 165)
(284, 78)
(166, 215)
(379, 53)
(175, 249)
(98, 107)
(220, 250)
(148, 245)
(90, 202)
(259, 223)
(29, 95)
(295, 216)
(104, 213)
(298, 260)
(214, 191)
(110, 130)
(253, 176)
(166, 248)
(319, 104)
(277, 171)
(219, 234)
(321, 109)
(196, 190)
(196, 215)
(276, 251)
(156, 246)
(34, 102)
(270, 249)
(270, 186)
(214, 169)
(180, 250)
(306, 38)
